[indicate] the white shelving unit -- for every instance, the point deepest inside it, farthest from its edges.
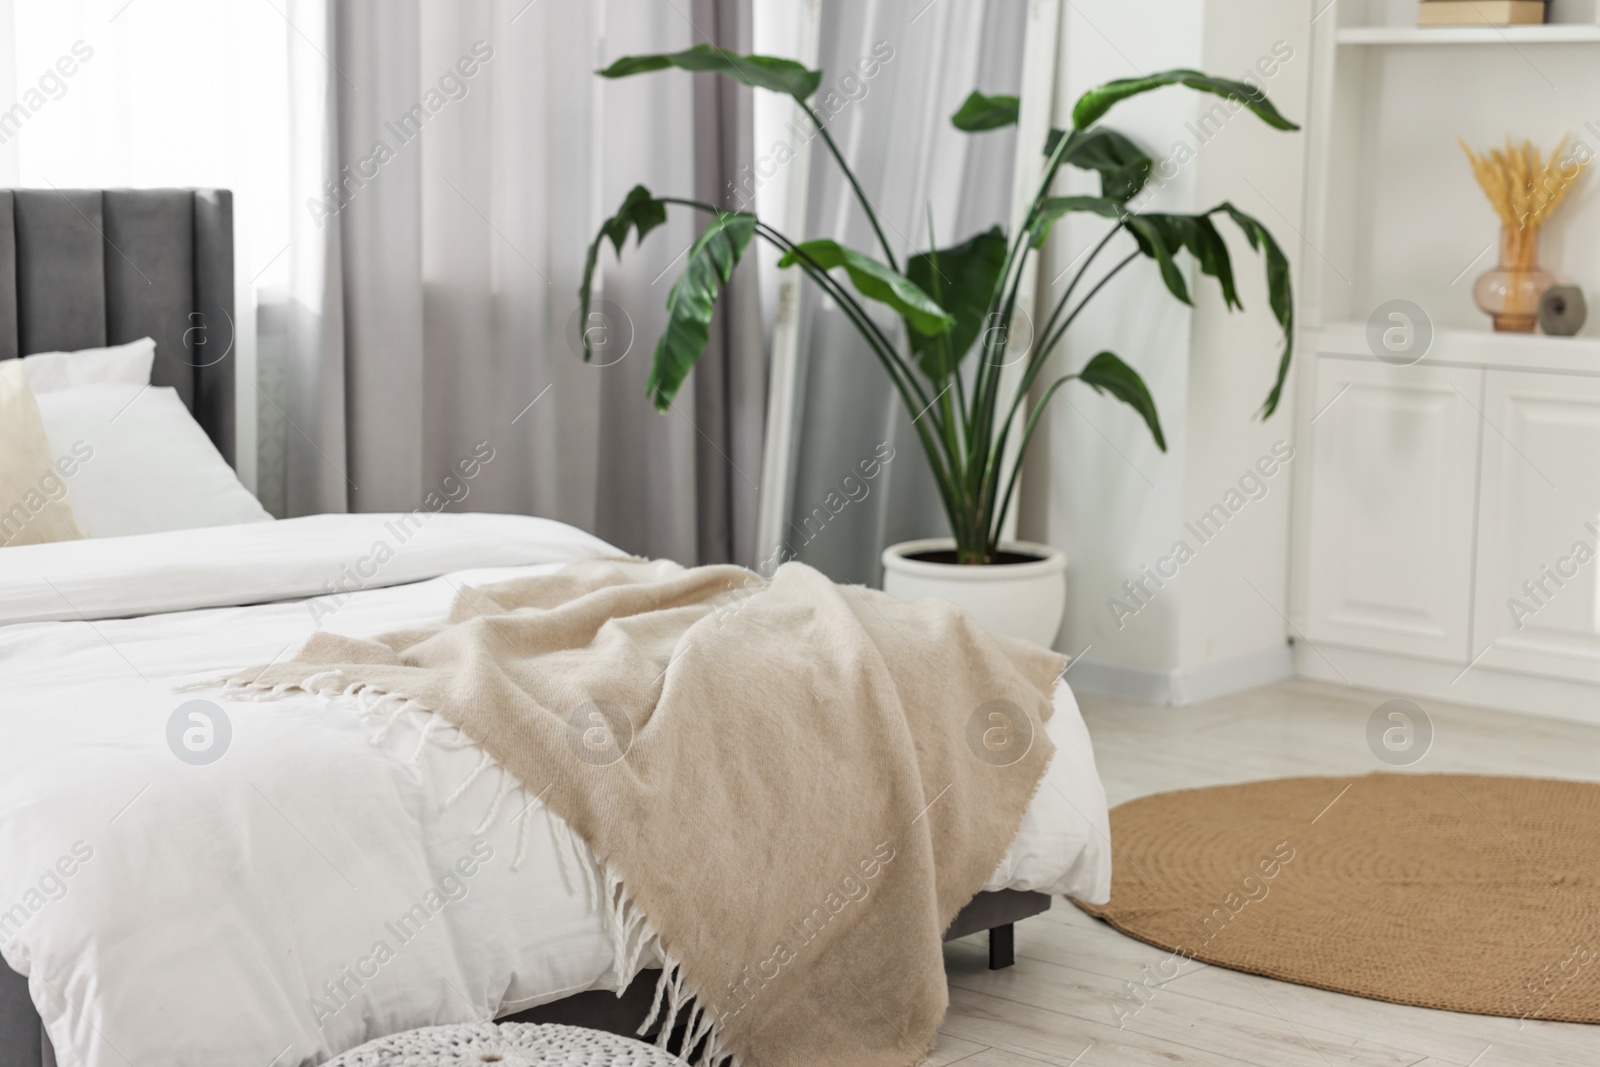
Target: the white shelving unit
(1476, 348)
(1459, 35)
(1428, 495)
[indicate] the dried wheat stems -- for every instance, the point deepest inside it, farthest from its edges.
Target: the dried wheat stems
(1522, 188)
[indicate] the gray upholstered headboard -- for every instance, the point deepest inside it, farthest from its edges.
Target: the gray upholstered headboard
(85, 268)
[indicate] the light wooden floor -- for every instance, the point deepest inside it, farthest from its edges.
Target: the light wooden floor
(1055, 1005)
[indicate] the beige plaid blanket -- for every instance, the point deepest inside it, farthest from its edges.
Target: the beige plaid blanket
(792, 786)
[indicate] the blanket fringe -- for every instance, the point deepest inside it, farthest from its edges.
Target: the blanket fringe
(627, 927)
(701, 1040)
(566, 855)
(507, 784)
(466, 783)
(521, 819)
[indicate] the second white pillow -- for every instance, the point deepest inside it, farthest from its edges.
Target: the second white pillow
(144, 464)
(129, 364)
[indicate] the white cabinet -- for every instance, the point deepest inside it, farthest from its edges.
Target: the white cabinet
(1438, 508)
(1538, 583)
(1392, 507)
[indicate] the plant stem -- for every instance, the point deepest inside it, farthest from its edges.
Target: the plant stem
(891, 363)
(698, 204)
(1101, 284)
(1076, 278)
(872, 216)
(954, 428)
(1041, 354)
(1027, 438)
(899, 372)
(998, 518)
(987, 384)
(990, 444)
(874, 336)
(860, 319)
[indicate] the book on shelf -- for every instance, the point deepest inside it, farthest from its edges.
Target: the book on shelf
(1480, 12)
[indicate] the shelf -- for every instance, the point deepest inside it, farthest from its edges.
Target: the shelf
(1492, 35)
(1477, 348)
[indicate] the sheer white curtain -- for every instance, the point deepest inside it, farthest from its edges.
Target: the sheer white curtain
(433, 310)
(416, 183)
(163, 93)
(421, 309)
(893, 125)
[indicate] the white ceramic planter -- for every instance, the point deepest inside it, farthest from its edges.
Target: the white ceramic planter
(1017, 599)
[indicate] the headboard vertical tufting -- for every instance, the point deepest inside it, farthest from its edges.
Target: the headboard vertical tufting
(84, 268)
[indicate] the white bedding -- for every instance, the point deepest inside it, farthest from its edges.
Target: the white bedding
(188, 915)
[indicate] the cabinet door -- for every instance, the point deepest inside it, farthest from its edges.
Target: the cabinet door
(1393, 488)
(1536, 599)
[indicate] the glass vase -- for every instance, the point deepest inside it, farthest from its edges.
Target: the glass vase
(1511, 292)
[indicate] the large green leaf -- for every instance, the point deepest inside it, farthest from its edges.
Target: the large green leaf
(692, 301)
(639, 212)
(962, 281)
(979, 112)
(1211, 252)
(1096, 102)
(1052, 208)
(1161, 237)
(875, 281)
(1123, 166)
(1280, 294)
(1108, 374)
(763, 72)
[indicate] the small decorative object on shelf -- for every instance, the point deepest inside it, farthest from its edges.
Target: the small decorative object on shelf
(1575, 12)
(1562, 311)
(1480, 12)
(1524, 190)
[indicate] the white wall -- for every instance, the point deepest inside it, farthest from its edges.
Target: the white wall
(1234, 354)
(1096, 484)
(8, 90)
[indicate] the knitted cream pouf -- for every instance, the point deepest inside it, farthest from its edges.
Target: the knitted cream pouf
(506, 1044)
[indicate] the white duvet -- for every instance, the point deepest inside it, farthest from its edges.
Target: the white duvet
(308, 890)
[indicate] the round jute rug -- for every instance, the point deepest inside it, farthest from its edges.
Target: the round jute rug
(1459, 892)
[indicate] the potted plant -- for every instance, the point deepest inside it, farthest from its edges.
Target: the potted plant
(944, 363)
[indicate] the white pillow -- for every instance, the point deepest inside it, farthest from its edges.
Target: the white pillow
(149, 466)
(129, 363)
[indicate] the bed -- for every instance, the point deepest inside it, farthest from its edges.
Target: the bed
(180, 909)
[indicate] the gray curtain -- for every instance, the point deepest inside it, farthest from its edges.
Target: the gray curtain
(432, 316)
(894, 128)
(730, 383)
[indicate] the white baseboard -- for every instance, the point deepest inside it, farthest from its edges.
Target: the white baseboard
(1482, 687)
(1180, 688)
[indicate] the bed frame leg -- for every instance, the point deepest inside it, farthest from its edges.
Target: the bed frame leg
(1002, 946)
